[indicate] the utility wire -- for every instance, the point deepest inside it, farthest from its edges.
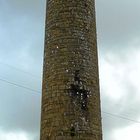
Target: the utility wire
(35, 76)
(18, 85)
(39, 93)
(28, 73)
(122, 117)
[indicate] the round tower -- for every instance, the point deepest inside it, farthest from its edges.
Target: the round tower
(70, 92)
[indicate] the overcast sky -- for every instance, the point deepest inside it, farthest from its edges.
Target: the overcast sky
(21, 54)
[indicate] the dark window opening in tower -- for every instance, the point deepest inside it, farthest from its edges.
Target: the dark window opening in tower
(72, 131)
(78, 93)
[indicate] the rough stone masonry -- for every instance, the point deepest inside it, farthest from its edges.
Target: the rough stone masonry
(70, 93)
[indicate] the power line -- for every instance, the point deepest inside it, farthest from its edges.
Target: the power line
(18, 85)
(18, 69)
(122, 117)
(39, 93)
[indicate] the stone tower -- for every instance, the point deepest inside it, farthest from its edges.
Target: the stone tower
(70, 94)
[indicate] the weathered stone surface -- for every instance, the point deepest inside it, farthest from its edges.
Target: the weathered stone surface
(70, 93)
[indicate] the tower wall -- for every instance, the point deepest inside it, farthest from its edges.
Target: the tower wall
(70, 93)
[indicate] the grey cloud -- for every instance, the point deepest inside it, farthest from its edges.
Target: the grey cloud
(26, 8)
(22, 32)
(22, 36)
(128, 105)
(20, 108)
(117, 22)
